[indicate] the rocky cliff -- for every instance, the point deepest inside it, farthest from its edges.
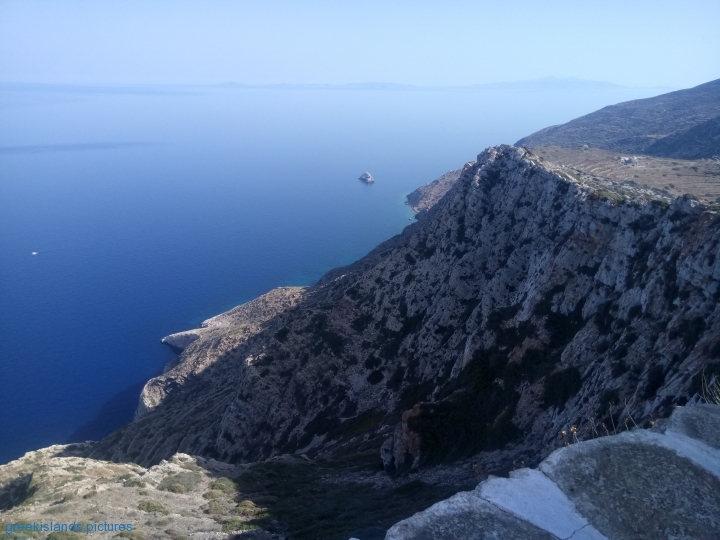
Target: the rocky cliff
(427, 196)
(531, 300)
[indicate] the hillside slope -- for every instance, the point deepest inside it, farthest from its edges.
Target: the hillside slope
(700, 141)
(529, 300)
(635, 126)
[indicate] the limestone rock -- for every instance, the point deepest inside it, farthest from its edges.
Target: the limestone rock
(427, 196)
(367, 178)
(212, 339)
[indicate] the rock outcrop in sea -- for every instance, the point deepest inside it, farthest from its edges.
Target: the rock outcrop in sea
(367, 178)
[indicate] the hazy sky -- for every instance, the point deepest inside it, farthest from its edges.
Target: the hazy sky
(637, 43)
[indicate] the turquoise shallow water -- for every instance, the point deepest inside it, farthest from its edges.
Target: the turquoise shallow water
(151, 209)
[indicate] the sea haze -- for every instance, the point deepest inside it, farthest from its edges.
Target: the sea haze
(153, 208)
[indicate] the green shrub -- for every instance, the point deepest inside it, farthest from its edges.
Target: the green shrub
(224, 485)
(236, 524)
(180, 483)
(249, 509)
(152, 506)
(213, 494)
(133, 535)
(216, 508)
(135, 483)
(64, 535)
(90, 495)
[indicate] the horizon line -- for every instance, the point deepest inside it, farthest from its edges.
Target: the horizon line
(540, 82)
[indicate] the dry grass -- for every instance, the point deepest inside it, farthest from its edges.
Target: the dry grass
(711, 389)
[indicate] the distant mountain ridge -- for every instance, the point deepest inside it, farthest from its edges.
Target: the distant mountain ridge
(668, 125)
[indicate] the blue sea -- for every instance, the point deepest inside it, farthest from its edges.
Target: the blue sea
(131, 212)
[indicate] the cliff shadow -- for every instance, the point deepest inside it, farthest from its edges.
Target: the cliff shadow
(113, 414)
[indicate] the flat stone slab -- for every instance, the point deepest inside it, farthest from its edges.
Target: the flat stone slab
(636, 486)
(465, 516)
(700, 422)
(532, 496)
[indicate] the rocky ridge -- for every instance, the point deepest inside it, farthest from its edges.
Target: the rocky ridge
(528, 301)
(427, 196)
(201, 347)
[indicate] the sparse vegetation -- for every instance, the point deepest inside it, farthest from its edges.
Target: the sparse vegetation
(236, 524)
(152, 506)
(309, 508)
(132, 535)
(711, 390)
(64, 535)
(180, 482)
(224, 485)
(135, 482)
(216, 507)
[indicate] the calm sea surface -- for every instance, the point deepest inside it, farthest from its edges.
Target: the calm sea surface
(151, 209)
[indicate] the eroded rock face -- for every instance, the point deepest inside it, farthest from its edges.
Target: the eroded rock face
(427, 196)
(202, 346)
(527, 301)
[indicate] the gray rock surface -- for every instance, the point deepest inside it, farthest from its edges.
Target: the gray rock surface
(701, 423)
(639, 126)
(202, 346)
(637, 485)
(367, 178)
(427, 196)
(465, 516)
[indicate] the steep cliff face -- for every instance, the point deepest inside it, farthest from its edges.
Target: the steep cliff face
(202, 347)
(427, 196)
(529, 300)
